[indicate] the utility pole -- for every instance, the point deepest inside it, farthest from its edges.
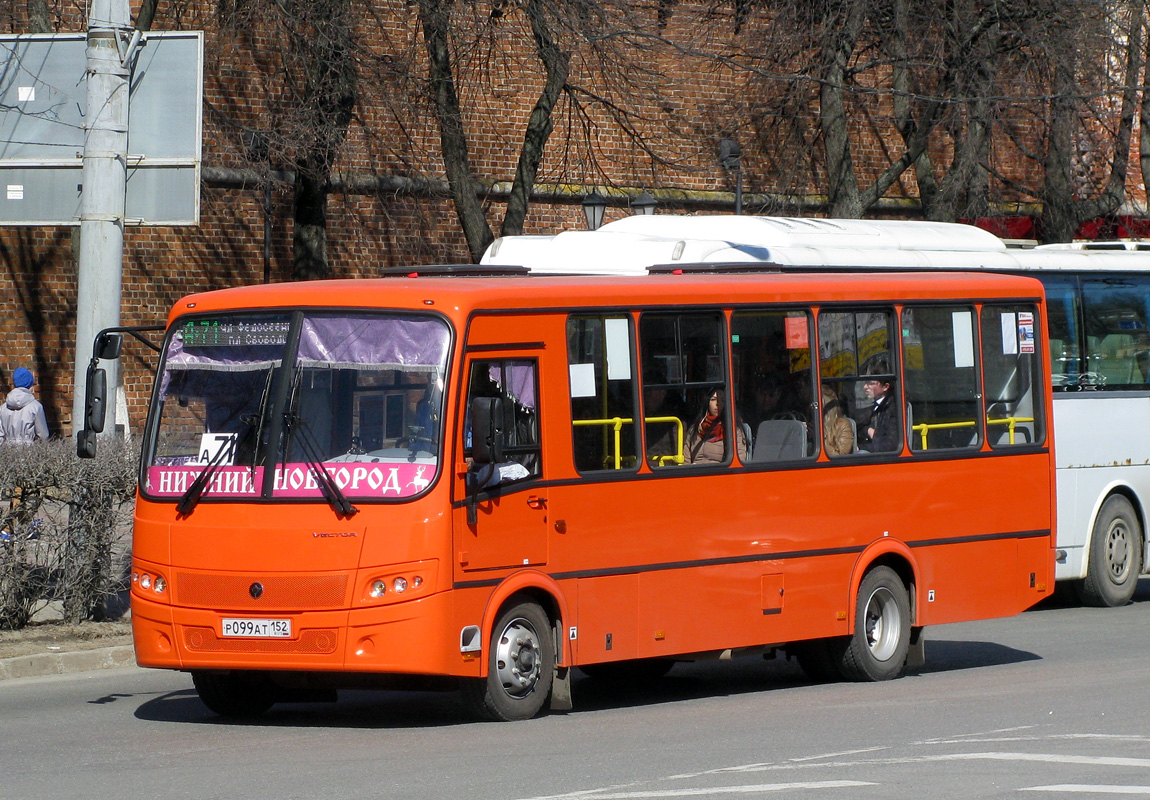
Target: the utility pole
(102, 197)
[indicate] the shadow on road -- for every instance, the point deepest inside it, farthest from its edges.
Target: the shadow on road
(948, 656)
(386, 709)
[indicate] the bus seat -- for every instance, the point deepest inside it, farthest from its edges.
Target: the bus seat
(913, 439)
(779, 440)
(746, 427)
(854, 434)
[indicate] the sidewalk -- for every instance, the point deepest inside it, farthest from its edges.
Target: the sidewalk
(66, 662)
(59, 649)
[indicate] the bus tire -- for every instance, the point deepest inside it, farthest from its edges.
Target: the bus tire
(1115, 556)
(234, 694)
(520, 668)
(877, 650)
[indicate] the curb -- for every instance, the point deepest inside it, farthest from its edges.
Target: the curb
(66, 663)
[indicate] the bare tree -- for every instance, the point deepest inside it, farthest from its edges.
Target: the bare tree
(1087, 145)
(39, 17)
(609, 41)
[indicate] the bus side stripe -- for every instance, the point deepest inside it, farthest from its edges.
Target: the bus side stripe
(749, 559)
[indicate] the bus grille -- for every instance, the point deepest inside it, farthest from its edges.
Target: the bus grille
(314, 641)
(288, 592)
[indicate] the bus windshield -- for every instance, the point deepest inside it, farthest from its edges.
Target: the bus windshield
(255, 405)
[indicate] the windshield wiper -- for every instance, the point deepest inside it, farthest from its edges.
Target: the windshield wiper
(190, 498)
(328, 487)
(293, 423)
(251, 423)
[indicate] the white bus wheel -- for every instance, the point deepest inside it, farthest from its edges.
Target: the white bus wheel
(1115, 555)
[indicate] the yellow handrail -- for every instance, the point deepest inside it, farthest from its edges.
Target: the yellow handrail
(1010, 422)
(926, 427)
(617, 423)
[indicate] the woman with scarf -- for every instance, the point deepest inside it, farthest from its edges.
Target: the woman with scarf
(706, 439)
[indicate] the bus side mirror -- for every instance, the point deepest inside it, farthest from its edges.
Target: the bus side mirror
(95, 401)
(86, 444)
(109, 345)
(487, 430)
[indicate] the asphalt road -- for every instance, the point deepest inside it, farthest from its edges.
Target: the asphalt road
(1048, 704)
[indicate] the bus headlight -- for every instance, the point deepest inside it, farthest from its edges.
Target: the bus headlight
(399, 585)
(147, 581)
(378, 589)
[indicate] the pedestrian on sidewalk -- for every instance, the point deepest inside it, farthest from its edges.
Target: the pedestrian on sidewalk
(22, 419)
(22, 422)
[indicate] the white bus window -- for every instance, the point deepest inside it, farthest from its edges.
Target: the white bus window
(1115, 310)
(1012, 376)
(1064, 322)
(941, 384)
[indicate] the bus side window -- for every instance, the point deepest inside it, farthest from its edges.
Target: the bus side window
(683, 360)
(515, 383)
(1116, 314)
(857, 361)
(1012, 376)
(601, 373)
(771, 353)
(941, 381)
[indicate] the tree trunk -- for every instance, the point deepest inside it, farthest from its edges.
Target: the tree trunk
(435, 17)
(539, 126)
(39, 17)
(843, 188)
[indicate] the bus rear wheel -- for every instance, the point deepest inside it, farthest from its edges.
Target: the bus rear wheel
(520, 668)
(1115, 556)
(877, 650)
(234, 694)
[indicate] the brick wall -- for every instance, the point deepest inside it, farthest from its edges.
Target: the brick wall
(681, 107)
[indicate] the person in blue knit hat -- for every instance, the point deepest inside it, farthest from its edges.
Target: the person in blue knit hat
(22, 419)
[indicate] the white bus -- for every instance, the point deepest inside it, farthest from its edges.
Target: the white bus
(1099, 319)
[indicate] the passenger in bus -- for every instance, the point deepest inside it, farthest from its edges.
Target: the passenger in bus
(838, 436)
(766, 395)
(706, 442)
(882, 430)
(663, 403)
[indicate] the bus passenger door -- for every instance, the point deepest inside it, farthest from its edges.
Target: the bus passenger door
(502, 521)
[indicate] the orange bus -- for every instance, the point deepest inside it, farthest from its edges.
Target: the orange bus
(474, 475)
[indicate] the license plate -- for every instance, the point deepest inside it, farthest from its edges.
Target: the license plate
(256, 628)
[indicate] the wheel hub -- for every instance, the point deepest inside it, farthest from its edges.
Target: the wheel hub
(517, 657)
(1118, 551)
(882, 623)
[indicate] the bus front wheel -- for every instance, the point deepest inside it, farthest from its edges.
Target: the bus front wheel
(877, 650)
(1115, 556)
(234, 694)
(520, 666)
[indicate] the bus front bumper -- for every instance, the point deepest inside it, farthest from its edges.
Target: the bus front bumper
(418, 637)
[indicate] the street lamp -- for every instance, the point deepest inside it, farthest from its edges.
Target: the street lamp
(644, 205)
(593, 208)
(729, 155)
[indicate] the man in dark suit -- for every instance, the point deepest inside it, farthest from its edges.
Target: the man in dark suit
(882, 430)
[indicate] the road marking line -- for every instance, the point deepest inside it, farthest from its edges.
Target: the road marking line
(1084, 788)
(709, 791)
(1105, 761)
